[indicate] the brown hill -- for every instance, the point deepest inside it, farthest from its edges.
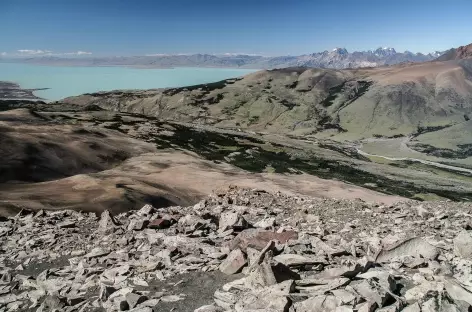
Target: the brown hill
(460, 53)
(388, 101)
(93, 161)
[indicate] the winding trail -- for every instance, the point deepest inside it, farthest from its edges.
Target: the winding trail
(426, 162)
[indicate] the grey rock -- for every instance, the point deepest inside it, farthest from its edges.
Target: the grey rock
(451, 307)
(423, 212)
(141, 309)
(371, 292)
(53, 302)
(254, 302)
(463, 245)
(75, 299)
(209, 308)
(265, 223)
(390, 308)
(414, 263)
(319, 286)
(146, 210)
(415, 247)
(105, 292)
(171, 298)
(8, 298)
(298, 260)
(107, 222)
(420, 291)
(134, 299)
(273, 298)
(149, 303)
(318, 244)
(97, 252)
(322, 303)
(137, 225)
(252, 255)
(381, 277)
(431, 305)
(232, 220)
(257, 257)
(414, 307)
(66, 224)
(225, 300)
(261, 275)
(344, 271)
(344, 296)
(457, 292)
(368, 306)
(191, 223)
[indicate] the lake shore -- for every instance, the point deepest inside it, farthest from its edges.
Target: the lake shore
(13, 91)
(66, 81)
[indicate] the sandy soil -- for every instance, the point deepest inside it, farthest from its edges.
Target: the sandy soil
(49, 165)
(163, 178)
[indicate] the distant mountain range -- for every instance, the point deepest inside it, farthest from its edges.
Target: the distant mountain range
(338, 58)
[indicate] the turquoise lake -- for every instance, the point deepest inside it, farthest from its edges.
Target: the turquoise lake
(69, 81)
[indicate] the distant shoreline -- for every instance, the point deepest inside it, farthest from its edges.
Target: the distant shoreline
(128, 66)
(12, 91)
(66, 81)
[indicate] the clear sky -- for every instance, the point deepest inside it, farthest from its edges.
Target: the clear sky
(268, 27)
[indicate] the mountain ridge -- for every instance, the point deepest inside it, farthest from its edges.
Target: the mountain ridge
(462, 52)
(339, 58)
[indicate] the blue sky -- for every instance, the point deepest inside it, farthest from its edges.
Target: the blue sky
(268, 27)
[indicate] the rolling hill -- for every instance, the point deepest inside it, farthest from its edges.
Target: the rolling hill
(356, 103)
(462, 52)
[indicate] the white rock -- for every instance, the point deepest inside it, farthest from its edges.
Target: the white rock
(463, 245)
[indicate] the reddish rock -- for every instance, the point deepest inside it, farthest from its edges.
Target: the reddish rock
(234, 263)
(258, 239)
(160, 224)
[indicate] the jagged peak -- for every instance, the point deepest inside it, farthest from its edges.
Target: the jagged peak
(340, 50)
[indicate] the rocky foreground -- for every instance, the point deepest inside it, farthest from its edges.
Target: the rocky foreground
(241, 250)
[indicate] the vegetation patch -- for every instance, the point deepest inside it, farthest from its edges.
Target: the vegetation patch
(463, 151)
(332, 94)
(251, 154)
(207, 87)
(426, 129)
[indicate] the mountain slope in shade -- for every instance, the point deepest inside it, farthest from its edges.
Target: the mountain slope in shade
(460, 53)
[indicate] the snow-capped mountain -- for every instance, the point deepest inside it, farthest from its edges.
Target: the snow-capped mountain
(337, 58)
(385, 52)
(340, 51)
